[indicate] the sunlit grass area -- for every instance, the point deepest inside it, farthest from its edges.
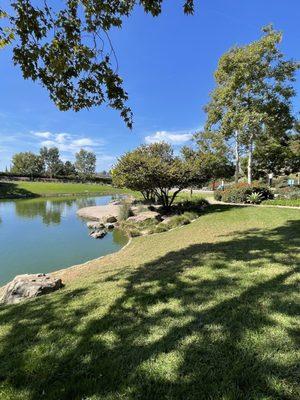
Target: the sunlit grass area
(206, 311)
(283, 202)
(32, 189)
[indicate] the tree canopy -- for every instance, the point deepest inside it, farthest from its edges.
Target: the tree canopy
(27, 163)
(253, 93)
(51, 159)
(85, 163)
(154, 171)
(65, 46)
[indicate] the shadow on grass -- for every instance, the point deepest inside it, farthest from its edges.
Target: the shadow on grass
(211, 321)
(9, 190)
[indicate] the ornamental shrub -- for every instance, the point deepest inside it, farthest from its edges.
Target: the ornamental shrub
(240, 193)
(196, 205)
(289, 193)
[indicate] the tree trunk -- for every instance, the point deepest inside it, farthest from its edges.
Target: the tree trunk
(237, 158)
(250, 158)
(174, 196)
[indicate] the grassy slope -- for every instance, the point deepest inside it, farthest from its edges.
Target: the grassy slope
(207, 311)
(17, 189)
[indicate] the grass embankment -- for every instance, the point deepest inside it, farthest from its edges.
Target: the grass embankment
(206, 311)
(37, 189)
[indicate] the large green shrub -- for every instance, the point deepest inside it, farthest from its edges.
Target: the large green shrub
(240, 193)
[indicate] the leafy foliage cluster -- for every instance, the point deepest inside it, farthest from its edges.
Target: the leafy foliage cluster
(85, 164)
(252, 99)
(288, 193)
(240, 193)
(155, 171)
(160, 176)
(65, 46)
(48, 162)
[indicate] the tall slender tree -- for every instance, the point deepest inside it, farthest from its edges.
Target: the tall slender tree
(85, 163)
(253, 93)
(51, 158)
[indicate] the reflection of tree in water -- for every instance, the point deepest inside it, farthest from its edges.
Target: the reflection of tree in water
(119, 237)
(82, 202)
(52, 210)
(49, 211)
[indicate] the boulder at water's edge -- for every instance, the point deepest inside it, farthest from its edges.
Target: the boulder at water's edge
(29, 285)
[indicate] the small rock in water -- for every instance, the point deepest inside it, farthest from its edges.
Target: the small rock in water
(109, 226)
(29, 285)
(98, 234)
(94, 225)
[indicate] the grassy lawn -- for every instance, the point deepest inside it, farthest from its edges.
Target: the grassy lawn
(283, 202)
(33, 189)
(206, 311)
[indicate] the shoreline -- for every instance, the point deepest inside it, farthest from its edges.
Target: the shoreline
(41, 196)
(106, 210)
(80, 267)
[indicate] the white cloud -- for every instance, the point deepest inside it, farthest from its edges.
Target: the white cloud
(62, 137)
(83, 142)
(48, 143)
(45, 135)
(66, 142)
(175, 138)
(69, 144)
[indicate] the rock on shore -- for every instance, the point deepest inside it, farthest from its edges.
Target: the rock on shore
(100, 213)
(29, 285)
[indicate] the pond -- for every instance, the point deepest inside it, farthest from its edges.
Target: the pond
(45, 234)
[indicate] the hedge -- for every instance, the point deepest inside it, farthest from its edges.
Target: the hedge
(240, 193)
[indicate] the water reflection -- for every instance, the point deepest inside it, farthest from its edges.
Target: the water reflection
(50, 235)
(119, 237)
(50, 211)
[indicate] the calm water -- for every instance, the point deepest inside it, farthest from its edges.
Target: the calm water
(43, 235)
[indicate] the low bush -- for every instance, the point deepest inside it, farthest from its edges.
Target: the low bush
(125, 211)
(161, 228)
(133, 232)
(254, 198)
(151, 226)
(240, 193)
(290, 193)
(196, 205)
(178, 220)
(218, 195)
(191, 215)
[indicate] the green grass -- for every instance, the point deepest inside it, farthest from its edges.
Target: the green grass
(34, 189)
(196, 195)
(283, 202)
(206, 311)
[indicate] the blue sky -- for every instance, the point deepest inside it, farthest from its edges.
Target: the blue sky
(167, 64)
